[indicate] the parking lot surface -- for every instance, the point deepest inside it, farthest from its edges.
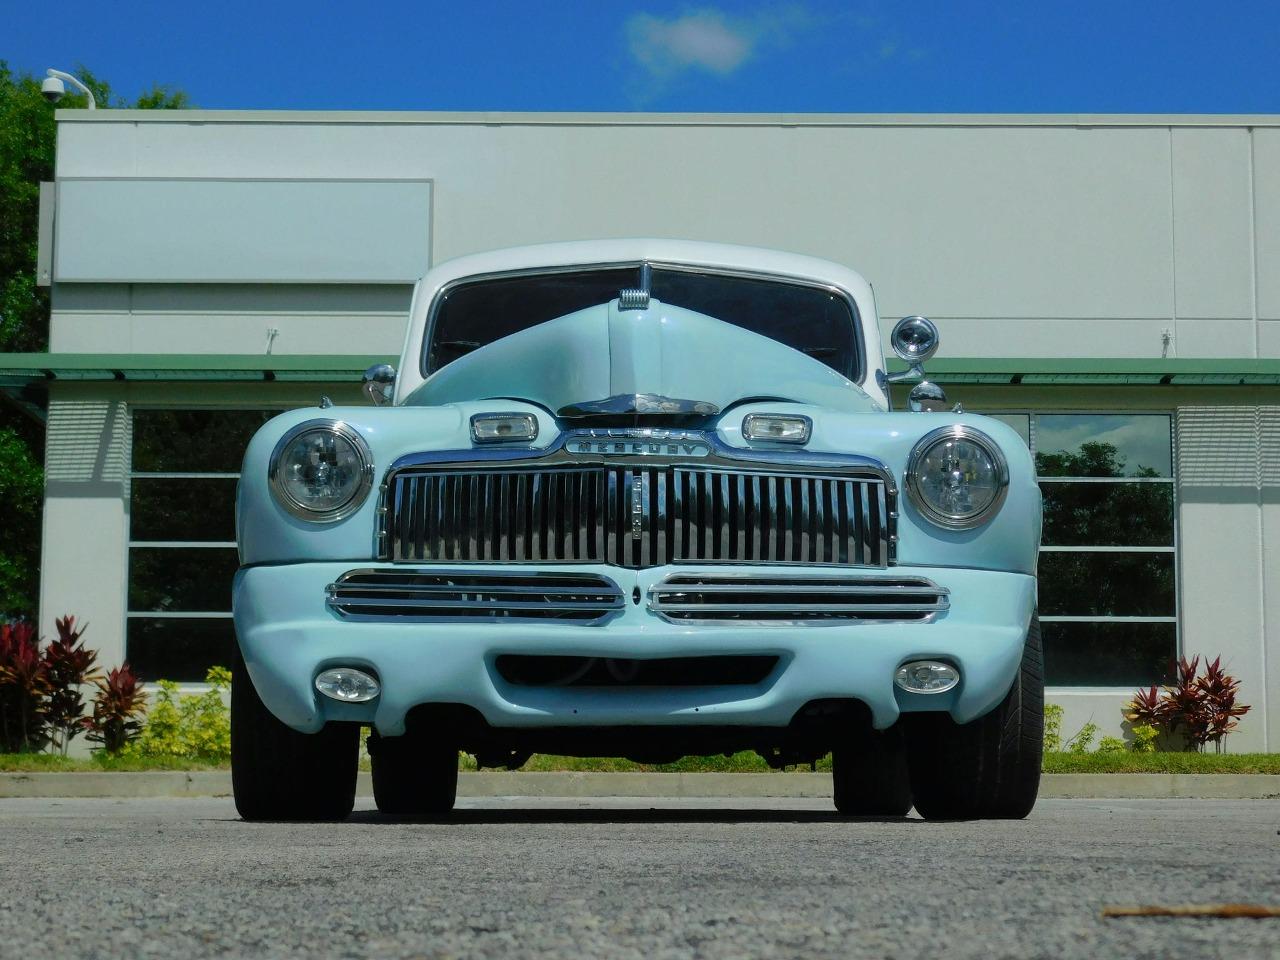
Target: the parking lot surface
(513, 877)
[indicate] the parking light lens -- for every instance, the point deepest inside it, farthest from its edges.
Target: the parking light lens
(780, 428)
(348, 685)
(504, 427)
(926, 676)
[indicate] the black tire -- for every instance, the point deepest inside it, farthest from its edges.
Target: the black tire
(869, 773)
(988, 768)
(280, 774)
(413, 775)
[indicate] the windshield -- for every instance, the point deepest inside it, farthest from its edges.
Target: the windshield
(814, 320)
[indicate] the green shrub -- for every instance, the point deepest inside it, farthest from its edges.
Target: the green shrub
(1052, 727)
(192, 727)
(1112, 745)
(1144, 738)
(1083, 740)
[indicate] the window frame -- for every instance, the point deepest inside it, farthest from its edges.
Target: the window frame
(268, 406)
(1032, 414)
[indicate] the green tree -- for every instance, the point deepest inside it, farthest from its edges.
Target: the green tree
(27, 139)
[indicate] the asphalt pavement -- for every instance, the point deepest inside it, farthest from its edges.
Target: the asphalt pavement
(651, 879)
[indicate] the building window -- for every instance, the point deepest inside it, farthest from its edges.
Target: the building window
(182, 549)
(1108, 560)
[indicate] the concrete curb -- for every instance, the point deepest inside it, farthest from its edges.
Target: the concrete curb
(217, 783)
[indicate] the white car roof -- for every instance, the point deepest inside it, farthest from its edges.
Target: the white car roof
(720, 256)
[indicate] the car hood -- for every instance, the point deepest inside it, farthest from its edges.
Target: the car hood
(659, 353)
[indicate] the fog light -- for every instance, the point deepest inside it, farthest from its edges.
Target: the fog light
(777, 427)
(348, 685)
(926, 676)
(503, 427)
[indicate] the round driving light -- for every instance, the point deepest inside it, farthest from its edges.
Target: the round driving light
(348, 685)
(926, 676)
(321, 471)
(957, 477)
(914, 339)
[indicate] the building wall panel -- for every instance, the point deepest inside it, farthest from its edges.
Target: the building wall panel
(1212, 197)
(179, 230)
(1220, 538)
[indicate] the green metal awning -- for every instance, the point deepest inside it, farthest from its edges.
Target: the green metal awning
(1111, 371)
(28, 369)
(24, 369)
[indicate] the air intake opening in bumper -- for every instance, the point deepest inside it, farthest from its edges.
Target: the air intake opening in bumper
(797, 597)
(548, 671)
(402, 593)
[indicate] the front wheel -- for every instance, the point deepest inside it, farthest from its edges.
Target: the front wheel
(413, 775)
(280, 774)
(869, 773)
(988, 768)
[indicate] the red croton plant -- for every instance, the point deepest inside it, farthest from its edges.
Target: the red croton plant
(68, 664)
(1199, 707)
(24, 685)
(117, 710)
(41, 699)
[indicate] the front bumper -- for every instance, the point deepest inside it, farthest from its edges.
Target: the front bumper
(287, 635)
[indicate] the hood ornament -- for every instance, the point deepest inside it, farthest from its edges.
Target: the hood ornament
(637, 298)
(640, 405)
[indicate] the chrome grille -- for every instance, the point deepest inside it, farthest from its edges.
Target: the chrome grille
(408, 594)
(760, 597)
(636, 515)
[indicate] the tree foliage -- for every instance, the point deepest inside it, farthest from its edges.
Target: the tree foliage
(27, 141)
(21, 488)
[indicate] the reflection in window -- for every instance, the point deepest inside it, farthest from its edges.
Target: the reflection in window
(1107, 654)
(1108, 514)
(1103, 445)
(1108, 569)
(1107, 584)
(182, 554)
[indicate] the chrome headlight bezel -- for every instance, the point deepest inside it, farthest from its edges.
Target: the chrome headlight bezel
(343, 431)
(928, 510)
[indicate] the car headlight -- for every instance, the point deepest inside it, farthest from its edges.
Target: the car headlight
(957, 477)
(321, 471)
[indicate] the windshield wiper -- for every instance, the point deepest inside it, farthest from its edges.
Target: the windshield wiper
(466, 345)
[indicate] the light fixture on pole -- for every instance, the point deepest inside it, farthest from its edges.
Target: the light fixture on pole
(54, 89)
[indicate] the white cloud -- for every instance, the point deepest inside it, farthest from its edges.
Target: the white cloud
(707, 39)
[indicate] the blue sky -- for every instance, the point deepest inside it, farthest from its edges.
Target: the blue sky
(1175, 56)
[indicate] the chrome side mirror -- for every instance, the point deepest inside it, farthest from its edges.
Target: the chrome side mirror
(380, 383)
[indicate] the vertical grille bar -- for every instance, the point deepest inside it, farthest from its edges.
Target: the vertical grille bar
(520, 518)
(820, 518)
(418, 547)
(864, 510)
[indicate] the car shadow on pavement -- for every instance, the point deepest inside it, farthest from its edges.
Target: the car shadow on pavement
(645, 815)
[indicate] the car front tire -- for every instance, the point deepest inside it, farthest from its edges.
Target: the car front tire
(278, 773)
(988, 768)
(413, 775)
(869, 773)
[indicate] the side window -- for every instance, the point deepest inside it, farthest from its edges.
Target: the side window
(182, 551)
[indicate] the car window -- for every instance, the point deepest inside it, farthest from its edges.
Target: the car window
(813, 320)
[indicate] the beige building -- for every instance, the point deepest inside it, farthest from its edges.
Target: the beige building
(1102, 282)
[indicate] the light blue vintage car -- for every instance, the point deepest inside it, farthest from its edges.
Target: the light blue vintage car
(639, 498)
